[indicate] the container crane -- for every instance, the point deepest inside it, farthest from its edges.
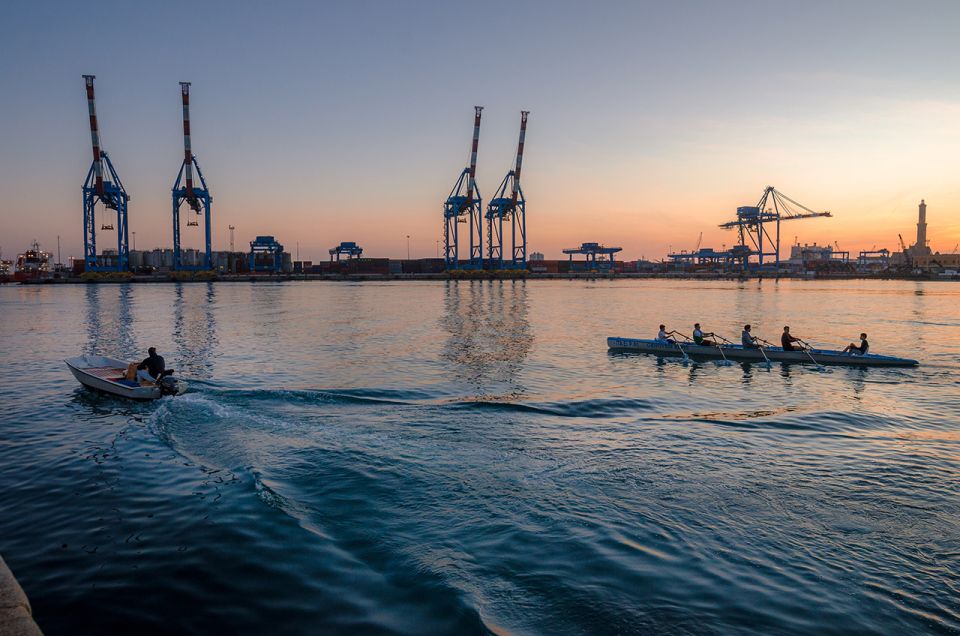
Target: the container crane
(598, 257)
(751, 222)
(103, 186)
(464, 205)
(197, 198)
(509, 203)
(350, 248)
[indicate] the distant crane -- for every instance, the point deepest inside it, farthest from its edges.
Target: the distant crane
(751, 222)
(907, 257)
(102, 186)
(198, 198)
(464, 205)
(509, 203)
(350, 248)
(597, 256)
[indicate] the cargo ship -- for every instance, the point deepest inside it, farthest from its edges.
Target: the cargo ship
(6, 271)
(32, 264)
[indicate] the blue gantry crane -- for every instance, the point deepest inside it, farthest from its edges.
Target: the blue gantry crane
(598, 257)
(197, 198)
(753, 225)
(350, 248)
(509, 204)
(464, 205)
(103, 186)
(266, 255)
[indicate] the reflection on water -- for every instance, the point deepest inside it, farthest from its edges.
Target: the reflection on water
(489, 336)
(195, 328)
(109, 321)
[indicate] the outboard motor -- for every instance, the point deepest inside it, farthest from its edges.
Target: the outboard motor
(169, 384)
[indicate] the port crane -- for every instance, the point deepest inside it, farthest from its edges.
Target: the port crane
(350, 248)
(198, 198)
(752, 225)
(907, 257)
(509, 204)
(598, 257)
(464, 205)
(103, 186)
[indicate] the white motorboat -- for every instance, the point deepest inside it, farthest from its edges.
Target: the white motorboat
(107, 374)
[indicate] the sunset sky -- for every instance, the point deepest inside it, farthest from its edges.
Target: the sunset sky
(650, 121)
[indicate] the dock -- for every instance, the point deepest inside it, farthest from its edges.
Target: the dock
(16, 616)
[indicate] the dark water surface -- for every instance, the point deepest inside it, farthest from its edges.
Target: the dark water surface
(451, 458)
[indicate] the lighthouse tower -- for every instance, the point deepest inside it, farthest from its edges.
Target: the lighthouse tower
(920, 248)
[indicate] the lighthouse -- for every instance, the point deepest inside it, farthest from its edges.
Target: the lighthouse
(920, 248)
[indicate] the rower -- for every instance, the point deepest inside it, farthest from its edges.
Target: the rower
(700, 338)
(748, 340)
(664, 336)
(861, 349)
(786, 341)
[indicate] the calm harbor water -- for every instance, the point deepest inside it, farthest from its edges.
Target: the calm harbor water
(466, 457)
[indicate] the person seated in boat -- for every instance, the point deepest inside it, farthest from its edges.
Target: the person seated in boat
(152, 368)
(700, 338)
(748, 340)
(860, 349)
(786, 341)
(664, 336)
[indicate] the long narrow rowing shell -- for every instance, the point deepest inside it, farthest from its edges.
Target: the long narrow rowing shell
(741, 354)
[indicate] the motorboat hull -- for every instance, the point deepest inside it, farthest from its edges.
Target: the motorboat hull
(103, 374)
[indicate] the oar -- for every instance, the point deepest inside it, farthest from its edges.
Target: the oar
(760, 347)
(807, 351)
(726, 362)
(686, 358)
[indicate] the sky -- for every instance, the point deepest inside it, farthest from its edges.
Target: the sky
(650, 122)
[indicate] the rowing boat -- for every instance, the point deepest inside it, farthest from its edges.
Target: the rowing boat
(743, 354)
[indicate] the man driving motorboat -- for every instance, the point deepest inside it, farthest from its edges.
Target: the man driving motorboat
(152, 367)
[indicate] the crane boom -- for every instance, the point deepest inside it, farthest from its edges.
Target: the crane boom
(473, 156)
(516, 171)
(187, 152)
(94, 134)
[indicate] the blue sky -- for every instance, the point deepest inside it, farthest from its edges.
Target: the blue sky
(650, 122)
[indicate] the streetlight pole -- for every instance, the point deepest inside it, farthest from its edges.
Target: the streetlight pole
(134, 241)
(408, 247)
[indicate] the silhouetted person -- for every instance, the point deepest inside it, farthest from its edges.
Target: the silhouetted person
(152, 367)
(700, 338)
(861, 349)
(664, 336)
(786, 341)
(747, 339)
